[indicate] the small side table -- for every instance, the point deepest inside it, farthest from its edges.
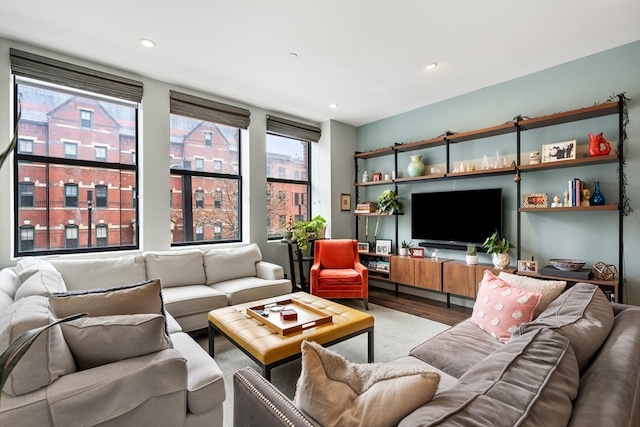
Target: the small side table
(296, 257)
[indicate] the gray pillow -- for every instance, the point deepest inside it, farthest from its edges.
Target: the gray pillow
(43, 283)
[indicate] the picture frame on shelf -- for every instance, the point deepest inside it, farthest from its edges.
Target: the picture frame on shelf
(535, 200)
(528, 266)
(363, 247)
(383, 246)
(559, 151)
(417, 252)
(345, 202)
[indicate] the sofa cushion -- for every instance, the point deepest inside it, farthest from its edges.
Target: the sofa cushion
(465, 340)
(336, 392)
(231, 263)
(48, 358)
(96, 341)
(246, 289)
(185, 300)
(500, 308)
(583, 314)
(145, 297)
(175, 268)
(549, 289)
(43, 283)
(27, 267)
(112, 272)
(530, 381)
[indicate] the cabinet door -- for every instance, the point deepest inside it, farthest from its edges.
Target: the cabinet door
(459, 279)
(428, 274)
(402, 270)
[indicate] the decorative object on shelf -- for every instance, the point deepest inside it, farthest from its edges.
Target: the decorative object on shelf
(471, 255)
(559, 151)
(388, 202)
(377, 176)
(604, 271)
(535, 200)
(365, 176)
(387, 177)
(567, 201)
(586, 195)
(345, 202)
(485, 162)
(405, 247)
(415, 166)
(363, 247)
(598, 146)
(534, 158)
(567, 264)
(417, 252)
(498, 247)
(471, 167)
(383, 247)
(305, 230)
(597, 198)
(434, 254)
(556, 202)
(528, 266)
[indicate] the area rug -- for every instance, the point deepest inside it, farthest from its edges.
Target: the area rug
(396, 333)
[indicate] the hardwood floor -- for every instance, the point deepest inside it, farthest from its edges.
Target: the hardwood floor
(422, 307)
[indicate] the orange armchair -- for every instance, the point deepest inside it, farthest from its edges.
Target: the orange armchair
(336, 271)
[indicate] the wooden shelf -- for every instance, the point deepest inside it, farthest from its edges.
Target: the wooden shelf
(482, 172)
(611, 158)
(571, 116)
(373, 153)
(610, 283)
(573, 209)
(482, 133)
(412, 179)
(369, 183)
(427, 143)
(377, 214)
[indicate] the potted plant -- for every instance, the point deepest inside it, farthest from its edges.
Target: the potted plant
(388, 202)
(305, 230)
(472, 254)
(498, 247)
(405, 247)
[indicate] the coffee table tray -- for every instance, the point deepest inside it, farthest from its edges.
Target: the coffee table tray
(308, 316)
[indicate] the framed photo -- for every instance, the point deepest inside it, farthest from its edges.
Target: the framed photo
(363, 247)
(417, 252)
(535, 200)
(383, 247)
(345, 202)
(527, 266)
(559, 151)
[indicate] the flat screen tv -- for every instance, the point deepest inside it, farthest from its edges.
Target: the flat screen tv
(451, 219)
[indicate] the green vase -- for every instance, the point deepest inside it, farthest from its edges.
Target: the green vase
(415, 167)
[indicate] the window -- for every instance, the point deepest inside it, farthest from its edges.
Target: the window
(25, 146)
(102, 194)
(26, 191)
(288, 154)
(102, 235)
(71, 195)
(85, 119)
(71, 236)
(214, 177)
(27, 233)
(68, 158)
(70, 150)
(100, 153)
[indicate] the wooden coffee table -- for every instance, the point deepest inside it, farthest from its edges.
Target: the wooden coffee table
(269, 348)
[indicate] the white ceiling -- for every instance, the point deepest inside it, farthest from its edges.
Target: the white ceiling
(366, 56)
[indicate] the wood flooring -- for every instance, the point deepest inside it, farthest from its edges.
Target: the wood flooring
(422, 307)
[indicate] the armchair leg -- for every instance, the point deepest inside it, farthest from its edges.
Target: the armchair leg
(365, 301)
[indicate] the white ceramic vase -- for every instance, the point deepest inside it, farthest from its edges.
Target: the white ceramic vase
(472, 259)
(501, 261)
(403, 252)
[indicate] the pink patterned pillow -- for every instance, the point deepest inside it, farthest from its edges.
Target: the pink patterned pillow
(500, 308)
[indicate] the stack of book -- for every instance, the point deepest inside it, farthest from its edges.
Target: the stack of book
(366, 207)
(382, 266)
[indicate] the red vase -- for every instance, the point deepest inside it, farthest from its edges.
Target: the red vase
(598, 146)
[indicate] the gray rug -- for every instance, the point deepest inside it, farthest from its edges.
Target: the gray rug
(396, 333)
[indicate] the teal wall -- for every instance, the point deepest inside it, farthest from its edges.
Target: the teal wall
(581, 83)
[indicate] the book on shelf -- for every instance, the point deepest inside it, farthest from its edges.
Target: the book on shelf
(366, 207)
(383, 266)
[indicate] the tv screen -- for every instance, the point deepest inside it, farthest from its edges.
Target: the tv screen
(451, 219)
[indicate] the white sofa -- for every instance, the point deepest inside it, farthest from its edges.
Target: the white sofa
(179, 384)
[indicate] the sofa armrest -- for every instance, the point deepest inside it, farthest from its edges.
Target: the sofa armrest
(256, 402)
(269, 271)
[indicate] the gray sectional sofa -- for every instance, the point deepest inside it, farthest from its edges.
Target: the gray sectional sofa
(576, 364)
(169, 381)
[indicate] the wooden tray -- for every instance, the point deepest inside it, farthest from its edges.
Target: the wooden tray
(308, 317)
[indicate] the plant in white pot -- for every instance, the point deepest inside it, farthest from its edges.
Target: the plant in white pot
(405, 247)
(498, 247)
(472, 254)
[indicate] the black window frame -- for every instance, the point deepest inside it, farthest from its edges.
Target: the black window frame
(24, 196)
(101, 200)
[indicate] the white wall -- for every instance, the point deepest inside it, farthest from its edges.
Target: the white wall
(154, 152)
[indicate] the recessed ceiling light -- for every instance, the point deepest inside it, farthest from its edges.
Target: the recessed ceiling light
(431, 66)
(147, 42)
(333, 105)
(293, 55)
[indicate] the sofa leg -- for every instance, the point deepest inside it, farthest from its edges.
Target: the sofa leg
(365, 301)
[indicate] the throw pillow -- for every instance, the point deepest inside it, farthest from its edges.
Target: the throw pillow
(175, 268)
(231, 263)
(500, 308)
(43, 283)
(336, 392)
(550, 289)
(101, 273)
(49, 356)
(96, 341)
(27, 267)
(140, 298)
